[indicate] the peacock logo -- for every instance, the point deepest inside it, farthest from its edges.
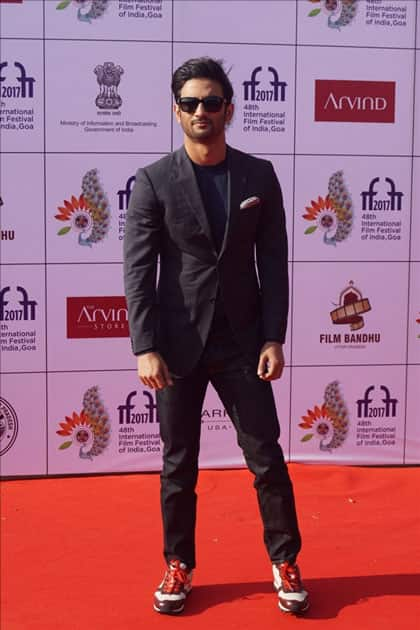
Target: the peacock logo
(90, 429)
(88, 215)
(332, 215)
(329, 423)
(339, 13)
(87, 10)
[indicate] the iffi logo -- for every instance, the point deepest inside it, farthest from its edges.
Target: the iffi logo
(125, 193)
(127, 415)
(25, 87)
(25, 313)
(276, 93)
(365, 409)
(371, 204)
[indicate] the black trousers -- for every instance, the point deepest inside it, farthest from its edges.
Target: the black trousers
(250, 404)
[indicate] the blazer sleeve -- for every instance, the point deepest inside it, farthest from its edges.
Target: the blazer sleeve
(141, 247)
(271, 258)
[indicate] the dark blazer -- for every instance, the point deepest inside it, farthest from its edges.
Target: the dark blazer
(171, 305)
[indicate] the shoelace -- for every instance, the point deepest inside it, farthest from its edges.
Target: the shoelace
(174, 580)
(290, 578)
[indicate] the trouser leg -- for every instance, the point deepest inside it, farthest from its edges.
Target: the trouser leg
(179, 409)
(249, 402)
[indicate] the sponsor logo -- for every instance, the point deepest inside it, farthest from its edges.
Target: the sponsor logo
(25, 83)
(339, 13)
(137, 416)
(8, 426)
(333, 214)
(87, 10)
(262, 94)
(355, 101)
(352, 305)
(386, 14)
(125, 194)
(388, 409)
(99, 316)
(329, 422)
(216, 419)
(90, 429)
(89, 215)
(277, 91)
(123, 201)
(26, 312)
(375, 227)
(6, 235)
(108, 76)
(371, 204)
(377, 403)
(127, 414)
(14, 335)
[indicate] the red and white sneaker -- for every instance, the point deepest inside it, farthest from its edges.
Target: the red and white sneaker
(171, 594)
(292, 596)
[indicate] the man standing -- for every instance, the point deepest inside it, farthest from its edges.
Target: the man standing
(214, 217)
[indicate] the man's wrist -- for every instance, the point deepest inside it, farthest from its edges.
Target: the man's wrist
(139, 354)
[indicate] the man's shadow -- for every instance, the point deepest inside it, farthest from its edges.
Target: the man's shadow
(328, 595)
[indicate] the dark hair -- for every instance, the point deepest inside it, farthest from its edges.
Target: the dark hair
(201, 68)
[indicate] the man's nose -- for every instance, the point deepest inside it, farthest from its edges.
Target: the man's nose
(200, 109)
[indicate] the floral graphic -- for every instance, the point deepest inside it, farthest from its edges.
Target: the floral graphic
(340, 12)
(332, 214)
(329, 422)
(88, 10)
(89, 215)
(90, 429)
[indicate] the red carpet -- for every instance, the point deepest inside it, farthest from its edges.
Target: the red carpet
(84, 553)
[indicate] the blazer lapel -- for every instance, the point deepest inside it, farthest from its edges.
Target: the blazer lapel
(188, 193)
(237, 182)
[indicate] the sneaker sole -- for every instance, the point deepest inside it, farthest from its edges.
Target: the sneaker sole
(169, 612)
(287, 611)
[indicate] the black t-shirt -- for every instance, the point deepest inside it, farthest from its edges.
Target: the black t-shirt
(212, 182)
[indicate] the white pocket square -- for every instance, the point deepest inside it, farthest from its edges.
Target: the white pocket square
(250, 202)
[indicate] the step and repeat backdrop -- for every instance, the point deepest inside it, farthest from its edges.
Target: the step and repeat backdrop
(325, 89)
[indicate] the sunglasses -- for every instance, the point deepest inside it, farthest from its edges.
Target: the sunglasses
(211, 104)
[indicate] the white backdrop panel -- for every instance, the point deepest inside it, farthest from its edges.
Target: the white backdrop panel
(378, 190)
(91, 317)
(241, 21)
(413, 406)
(23, 441)
(123, 107)
(354, 64)
(369, 424)
(379, 23)
(22, 20)
(22, 318)
(22, 212)
(263, 79)
(22, 95)
(414, 316)
(121, 19)
(371, 337)
(115, 178)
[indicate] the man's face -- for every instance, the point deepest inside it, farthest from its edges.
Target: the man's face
(202, 126)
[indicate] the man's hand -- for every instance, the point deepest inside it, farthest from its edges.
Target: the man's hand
(271, 363)
(153, 371)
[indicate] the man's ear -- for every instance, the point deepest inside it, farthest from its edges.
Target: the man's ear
(229, 113)
(177, 113)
